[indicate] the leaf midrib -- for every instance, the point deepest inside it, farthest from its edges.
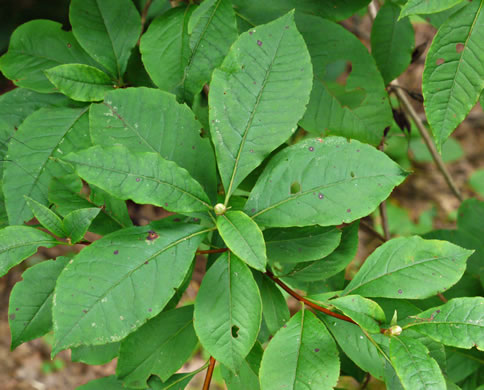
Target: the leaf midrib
(126, 276)
(251, 119)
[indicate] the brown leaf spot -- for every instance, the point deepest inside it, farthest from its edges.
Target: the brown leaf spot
(440, 61)
(459, 47)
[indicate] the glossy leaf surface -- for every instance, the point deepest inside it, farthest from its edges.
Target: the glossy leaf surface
(30, 305)
(415, 368)
(392, 42)
(253, 106)
(322, 181)
(411, 268)
(146, 178)
(356, 108)
(159, 347)
(226, 326)
(243, 237)
(294, 245)
(103, 295)
(453, 77)
(107, 30)
(29, 45)
(77, 222)
(46, 134)
(19, 242)
(149, 120)
(301, 355)
(418, 7)
(458, 323)
(80, 82)
(46, 217)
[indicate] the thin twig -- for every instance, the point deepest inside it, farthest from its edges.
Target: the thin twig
(364, 385)
(294, 294)
(371, 230)
(208, 377)
(144, 15)
(407, 106)
(208, 251)
(384, 220)
(442, 298)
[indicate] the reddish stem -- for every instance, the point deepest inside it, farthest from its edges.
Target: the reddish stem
(208, 251)
(309, 303)
(208, 377)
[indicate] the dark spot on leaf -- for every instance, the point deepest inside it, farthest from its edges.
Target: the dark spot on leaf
(316, 350)
(254, 82)
(12, 316)
(138, 179)
(252, 150)
(116, 252)
(252, 210)
(259, 43)
(193, 147)
(235, 331)
(295, 187)
(311, 149)
(152, 235)
(17, 309)
(69, 45)
(400, 291)
(357, 150)
(459, 47)
(320, 196)
(352, 174)
(150, 309)
(251, 32)
(437, 311)
(146, 262)
(176, 220)
(284, 326)
(348, 210)
(286, 27)
(84, 311)
(440, 61)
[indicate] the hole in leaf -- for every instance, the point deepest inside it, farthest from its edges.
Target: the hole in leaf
(235, 331)
(352, 174)
(295, 187)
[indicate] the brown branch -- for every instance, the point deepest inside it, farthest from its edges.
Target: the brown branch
(371, 230)
(208, 251)
(442, 298)
(294, 294)
(144, 15)
(208, 377)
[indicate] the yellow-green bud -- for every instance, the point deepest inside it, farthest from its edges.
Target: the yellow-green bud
(219, 209)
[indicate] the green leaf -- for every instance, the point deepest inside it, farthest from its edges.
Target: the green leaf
(95, 354)
(322, 181)
(36, 46)
(160, 347)
(392, 42)
(146, 178)
(419, 7)
(226, 326)
(453, 77)
(364, 312)
(458, 323)
(244, 238)
(409, 268)
(263, 12)
(247, 376)
(476, 181)
(107, 30)
(77, 222)
(333, 263)
(66, 193)
(45, 135)
(19, 242)
(167, 40)
(176, 382)
(415, 368)
(80, 82)
(143, 119)
(302, 355)
(46, 217)
(213, 29)
(105, 383)
(19, 103)
(275, 312)
(295, 245)
(30, 305)
(461, 363)
(357, 346)
(357, 108)
(118, 282)
(257, 96)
